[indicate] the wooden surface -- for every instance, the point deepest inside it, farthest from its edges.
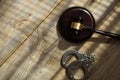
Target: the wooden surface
(30, 48)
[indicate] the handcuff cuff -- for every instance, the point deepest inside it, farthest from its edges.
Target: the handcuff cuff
(75, 25)
(83, 61)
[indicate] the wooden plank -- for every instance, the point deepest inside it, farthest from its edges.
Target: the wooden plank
(21, 18)
(38, 58)
(11, 38)
(26, 15)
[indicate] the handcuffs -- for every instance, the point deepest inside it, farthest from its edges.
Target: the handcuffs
(83, 61)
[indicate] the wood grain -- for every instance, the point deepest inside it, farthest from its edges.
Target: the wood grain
(20, 19)
(31, 49)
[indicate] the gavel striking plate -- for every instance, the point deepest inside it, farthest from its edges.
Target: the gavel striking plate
(77, 24)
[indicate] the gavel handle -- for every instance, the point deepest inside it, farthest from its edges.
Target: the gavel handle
(112, 35)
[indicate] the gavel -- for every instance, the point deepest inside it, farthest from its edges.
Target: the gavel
(77, 24)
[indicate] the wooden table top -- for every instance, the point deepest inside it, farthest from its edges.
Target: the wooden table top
(30, 48)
